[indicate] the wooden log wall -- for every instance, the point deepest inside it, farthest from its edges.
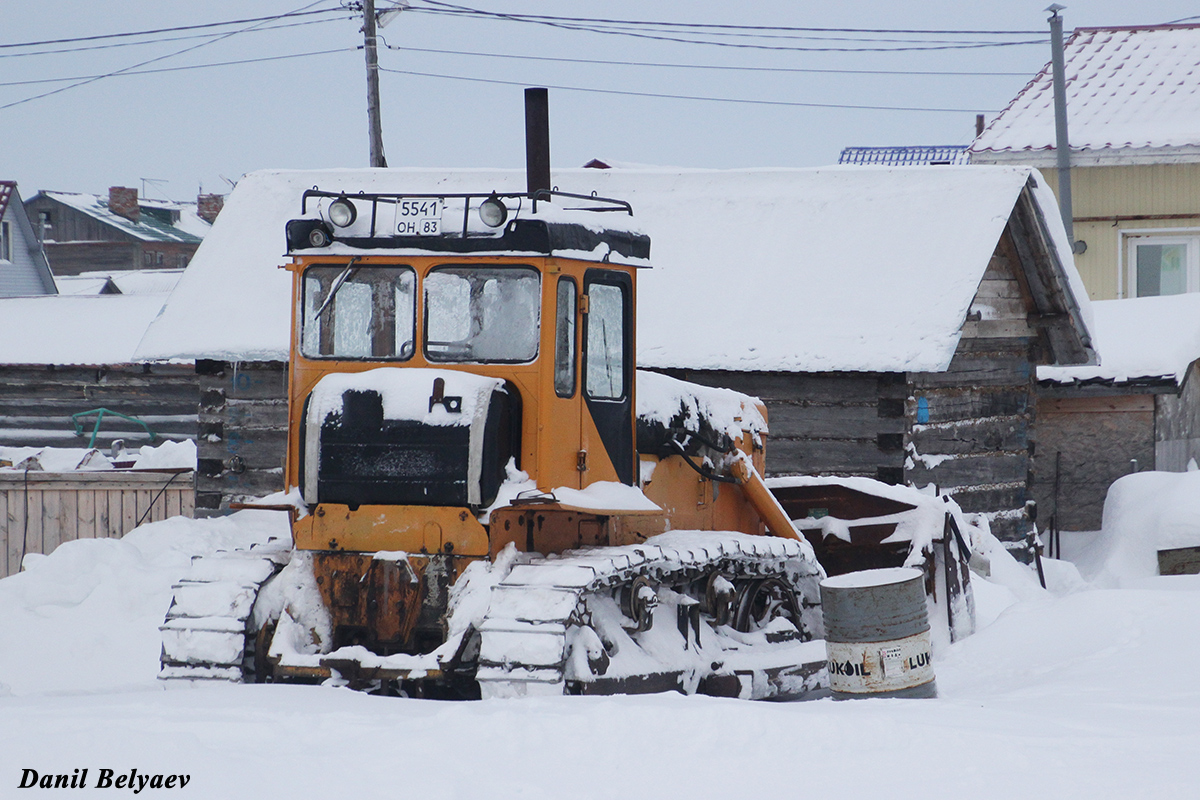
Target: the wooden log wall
(836, 423)
(36, 403)
(1177, 424)
(972, 425)
(242, 440)
(1085, 442)
(40, 510)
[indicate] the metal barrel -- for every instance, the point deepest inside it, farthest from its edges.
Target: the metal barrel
(877, 634)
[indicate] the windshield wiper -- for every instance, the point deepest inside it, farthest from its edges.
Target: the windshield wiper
(337, 284)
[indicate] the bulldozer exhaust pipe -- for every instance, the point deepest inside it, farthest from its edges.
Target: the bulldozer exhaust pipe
(537, 140)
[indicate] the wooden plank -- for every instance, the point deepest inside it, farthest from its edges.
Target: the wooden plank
(129, 511)
(68, 516)
(951, 406)
(815, 387)
(998, 329)
(187, 503)
(115, 514)
(86, 514)
(5, 535)
(33, 522)
(999, 287)
(794, 421)
(983, 471)
(102, 514)
(173, 502)
(817, 457)
(994, 308)
(50, 516)
(1096, 405)
(973, 437)
(158, 509)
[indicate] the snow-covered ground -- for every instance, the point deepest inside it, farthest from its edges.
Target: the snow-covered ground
(1072, 693)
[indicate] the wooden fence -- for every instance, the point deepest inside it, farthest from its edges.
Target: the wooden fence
(41, 510)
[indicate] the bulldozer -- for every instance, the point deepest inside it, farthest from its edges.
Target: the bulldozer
(488, 498)
(492, 499)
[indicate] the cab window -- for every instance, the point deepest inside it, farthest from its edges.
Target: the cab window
(358, 312)
(482, 314)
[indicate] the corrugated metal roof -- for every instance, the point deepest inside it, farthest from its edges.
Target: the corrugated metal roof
(1127, 88)
(150, 227)
(904, 156)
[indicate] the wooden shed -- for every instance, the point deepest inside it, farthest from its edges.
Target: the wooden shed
(1137, 410)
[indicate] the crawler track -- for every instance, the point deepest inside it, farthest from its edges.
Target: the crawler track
(645, 618)
(205, 635)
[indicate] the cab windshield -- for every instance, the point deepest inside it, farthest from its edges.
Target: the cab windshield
(358, 312)
(482, 314)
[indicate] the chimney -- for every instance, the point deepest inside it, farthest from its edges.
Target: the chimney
(124, 202)
(208, 206)
(537, 140)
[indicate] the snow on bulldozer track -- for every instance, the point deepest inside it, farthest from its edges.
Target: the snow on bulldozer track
(1086, 694)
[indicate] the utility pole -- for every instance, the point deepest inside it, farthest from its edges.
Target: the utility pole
(1062, 147)
(376, 127)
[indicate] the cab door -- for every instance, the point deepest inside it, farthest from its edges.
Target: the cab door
(607, 375)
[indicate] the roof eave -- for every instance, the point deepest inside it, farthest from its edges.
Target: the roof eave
(1046, 158)
(1059, 318)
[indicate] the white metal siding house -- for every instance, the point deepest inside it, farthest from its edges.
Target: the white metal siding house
(1133, 106)
(23, 267)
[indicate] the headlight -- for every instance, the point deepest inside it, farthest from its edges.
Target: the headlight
(342, 212)
(493, 212)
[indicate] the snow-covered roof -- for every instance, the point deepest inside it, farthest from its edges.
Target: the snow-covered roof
(187, 228)
(1139, 338)
(66, 329)
(1132, 94)
(839, 268)
(124, 281)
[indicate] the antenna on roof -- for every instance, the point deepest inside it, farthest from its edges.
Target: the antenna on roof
(152, 181)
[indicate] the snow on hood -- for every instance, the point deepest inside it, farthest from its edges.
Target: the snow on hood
(1143, 337)
(405, 393)
(660, 398)
(839, 268)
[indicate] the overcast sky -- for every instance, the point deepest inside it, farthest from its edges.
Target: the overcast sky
(172, 132)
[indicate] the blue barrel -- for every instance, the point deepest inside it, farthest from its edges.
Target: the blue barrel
(877, 634)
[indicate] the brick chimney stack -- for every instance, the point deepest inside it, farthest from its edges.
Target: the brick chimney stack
(208, 206)
(124, 202)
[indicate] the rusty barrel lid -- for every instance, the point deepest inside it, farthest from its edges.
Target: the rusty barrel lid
(874, 605)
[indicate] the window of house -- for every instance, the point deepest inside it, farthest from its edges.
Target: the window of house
(5, 241)
(1162, 264)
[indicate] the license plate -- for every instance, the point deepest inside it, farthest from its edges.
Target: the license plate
(419, 216)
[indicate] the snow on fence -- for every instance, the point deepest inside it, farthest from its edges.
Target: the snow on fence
(41, 510)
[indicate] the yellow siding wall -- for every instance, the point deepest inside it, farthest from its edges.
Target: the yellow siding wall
(1125, 191)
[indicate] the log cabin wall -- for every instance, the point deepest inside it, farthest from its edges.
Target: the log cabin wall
(242, 433)
(1177, 424)
(971, 430)
(833, 423)
(36, 403)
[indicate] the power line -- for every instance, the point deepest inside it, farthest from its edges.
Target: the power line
(216, 38)
(184, 68)
(164, 40)
(172, 30)
(742, 45)
(467, 9)
(739, 100)
(609, 62)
